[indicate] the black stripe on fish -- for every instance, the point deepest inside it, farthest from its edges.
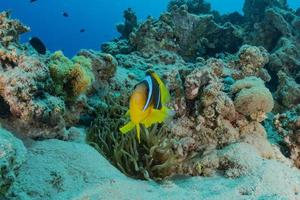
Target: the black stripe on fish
(153, 92)
(149, 84)
(156, 97)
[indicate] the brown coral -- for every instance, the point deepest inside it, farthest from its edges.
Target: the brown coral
(252, 98)
(251, 61)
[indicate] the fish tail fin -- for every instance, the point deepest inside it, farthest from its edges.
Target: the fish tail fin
(165, 95)
(128, 127)
(138, 132)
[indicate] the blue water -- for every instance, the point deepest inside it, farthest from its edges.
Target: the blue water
(97, 17)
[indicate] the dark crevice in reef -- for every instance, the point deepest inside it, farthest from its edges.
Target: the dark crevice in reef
(7, 64)
(4, 108)
(274, 82)
(273, 41)
(297, 79)
(86, 119)
(39, 94)
(234, 18)
(284, 149)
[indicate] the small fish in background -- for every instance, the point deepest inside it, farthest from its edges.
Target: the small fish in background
(31, 1)
(82, 30)
(147, 104)
(65, 14)
(38, 45)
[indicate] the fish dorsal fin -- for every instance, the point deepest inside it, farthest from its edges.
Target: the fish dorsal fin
(165, 95)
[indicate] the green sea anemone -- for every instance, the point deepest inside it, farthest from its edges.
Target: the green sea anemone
(152, 158)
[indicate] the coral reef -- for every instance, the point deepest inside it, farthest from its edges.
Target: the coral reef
(269, 28)
(216, 118)
(186, 34)
(25, 87)
(26, 97)
(42, 95)
(275, 28)
(234, 82)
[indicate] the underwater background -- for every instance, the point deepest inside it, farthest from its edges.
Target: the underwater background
(97, 17)
(151, 100)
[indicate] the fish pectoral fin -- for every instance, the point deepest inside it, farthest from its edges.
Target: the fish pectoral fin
(161, 114)
(128, 127)
(127, 113)
(156, 116)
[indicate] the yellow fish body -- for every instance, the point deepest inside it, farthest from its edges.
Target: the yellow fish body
(147, 104)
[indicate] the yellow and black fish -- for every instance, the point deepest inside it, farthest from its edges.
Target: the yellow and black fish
(147, 104)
